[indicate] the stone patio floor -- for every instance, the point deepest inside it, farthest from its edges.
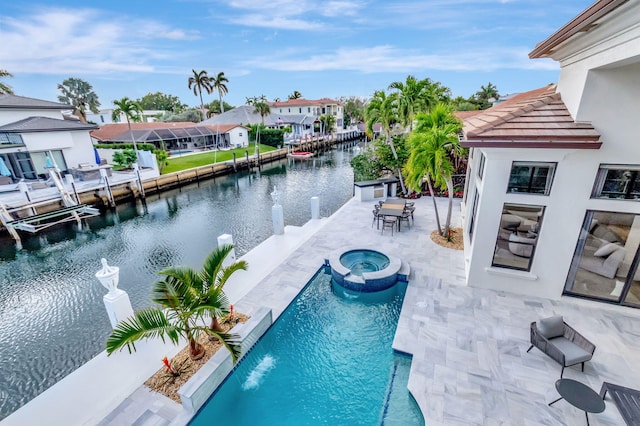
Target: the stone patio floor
(470, 365)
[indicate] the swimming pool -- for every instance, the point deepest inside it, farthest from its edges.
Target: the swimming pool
(327, 360)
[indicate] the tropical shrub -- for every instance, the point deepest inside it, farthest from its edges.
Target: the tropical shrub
(125, 158)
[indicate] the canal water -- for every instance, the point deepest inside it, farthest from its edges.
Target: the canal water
(52, 317)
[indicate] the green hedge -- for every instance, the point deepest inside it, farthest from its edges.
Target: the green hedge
(271, 137)
(141, 146)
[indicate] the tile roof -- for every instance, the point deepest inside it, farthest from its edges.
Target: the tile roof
(246, 115)
(534, 119)
(44, 124)
(157, 131)
(21, 102)
(463, 115)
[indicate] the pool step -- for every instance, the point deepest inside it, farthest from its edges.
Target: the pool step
(403, 273)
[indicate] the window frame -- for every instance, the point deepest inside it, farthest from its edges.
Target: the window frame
(551, 165)
(601, 179)
(514, 206)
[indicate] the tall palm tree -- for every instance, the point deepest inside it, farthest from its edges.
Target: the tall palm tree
(132, 111)
(383, 109)
(432, 143)
(80, 94)
(199, 81)
(295, 95)
(485, 93)
(5, 89)
(409, 99)
(185, 297)
(218, 84)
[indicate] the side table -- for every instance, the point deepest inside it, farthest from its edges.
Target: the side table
(580, 396)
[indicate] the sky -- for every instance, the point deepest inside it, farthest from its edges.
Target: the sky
(323, 49)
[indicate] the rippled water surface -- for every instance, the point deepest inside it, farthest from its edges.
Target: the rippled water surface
(52, 318)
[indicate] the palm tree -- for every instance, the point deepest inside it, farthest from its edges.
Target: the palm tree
(383, 109)
(218, 84)
(295, 95)
(260, 106)
(5, 89)
(185, 297)
(328, 121)
(199, 81)
(432, 143)
(409, 99)
(485, 93)
(80, 94)
(132, 111)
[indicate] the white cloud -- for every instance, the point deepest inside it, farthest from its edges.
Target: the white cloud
(390, 59)
(82, 41)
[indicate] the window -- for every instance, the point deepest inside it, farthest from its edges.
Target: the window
(517, 236)
(531, 178)
(240, 134)
(617, 182)
(309, 109)
(472, 219)
(300, 110)
(481, 165)
(102, 118)
(605, 261)
(12, 138)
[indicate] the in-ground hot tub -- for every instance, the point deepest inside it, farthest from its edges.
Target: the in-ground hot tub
(364, 270)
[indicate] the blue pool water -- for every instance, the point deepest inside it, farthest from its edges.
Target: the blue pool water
(327, 360)
(359, 261)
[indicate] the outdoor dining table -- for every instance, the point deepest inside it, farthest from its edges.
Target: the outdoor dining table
(389, 208)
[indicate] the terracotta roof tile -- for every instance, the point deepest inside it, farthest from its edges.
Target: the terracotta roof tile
(534, 119)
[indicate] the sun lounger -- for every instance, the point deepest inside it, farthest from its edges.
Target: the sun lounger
(627, 400)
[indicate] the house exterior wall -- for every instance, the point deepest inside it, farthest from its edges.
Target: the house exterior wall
(76, 146)
(12, 115)
(239, 136)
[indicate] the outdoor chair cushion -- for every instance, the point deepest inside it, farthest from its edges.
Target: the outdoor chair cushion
(551, 327)
(573, 354)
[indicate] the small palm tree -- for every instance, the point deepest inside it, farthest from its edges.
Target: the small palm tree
(218, 84)
(185, 297)
(199, 81)
(295, 95)
(261, 106)
(5, 89)
(132, 111)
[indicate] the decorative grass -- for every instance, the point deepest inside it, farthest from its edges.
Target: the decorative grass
(196, 160)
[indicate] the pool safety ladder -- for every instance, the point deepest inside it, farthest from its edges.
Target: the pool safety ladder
(72, 210)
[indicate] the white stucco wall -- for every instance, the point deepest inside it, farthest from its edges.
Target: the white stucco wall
(10, 116)
(239, 136)
(76, 146)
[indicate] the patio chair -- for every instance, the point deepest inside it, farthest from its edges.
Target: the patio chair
(376, 218)
(626, 399)
(405, 216)
(389, 222)
(561, 342)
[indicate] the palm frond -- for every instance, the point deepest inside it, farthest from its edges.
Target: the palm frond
(230, 341)
(145, 324)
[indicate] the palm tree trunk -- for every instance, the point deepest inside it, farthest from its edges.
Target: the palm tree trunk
(448, 221)
(395, 155)
(135, 147)
(221, 106)
(215, 324)
(201, 103)
(196, 350)
(435, 206)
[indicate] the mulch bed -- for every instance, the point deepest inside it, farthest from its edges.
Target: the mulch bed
(167, 385)
(456, 240)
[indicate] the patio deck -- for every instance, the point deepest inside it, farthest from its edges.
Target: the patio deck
(470, 365)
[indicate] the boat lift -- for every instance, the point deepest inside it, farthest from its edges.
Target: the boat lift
(72, 210)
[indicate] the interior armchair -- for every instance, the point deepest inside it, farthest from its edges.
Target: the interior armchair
(561, 342)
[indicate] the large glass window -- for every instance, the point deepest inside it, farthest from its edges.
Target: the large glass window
(604, 265)
(618, 182)
(517, 236)
(11, 138)
(531, 178)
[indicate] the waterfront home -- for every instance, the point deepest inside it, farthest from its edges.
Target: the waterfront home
(32, 129)
(175, 136)
(314, 108)
(105, 116)
(551, 205)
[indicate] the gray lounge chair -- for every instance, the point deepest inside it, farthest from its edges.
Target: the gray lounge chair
(627, 400)
(561, 342)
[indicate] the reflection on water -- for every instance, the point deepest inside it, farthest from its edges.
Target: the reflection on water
(52, 317)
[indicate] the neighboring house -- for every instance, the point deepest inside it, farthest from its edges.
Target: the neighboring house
(551, 205)
(32, 129)
(105, 116)
(311, 108)
(175, 136)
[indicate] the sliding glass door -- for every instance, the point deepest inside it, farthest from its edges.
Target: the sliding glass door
(605, 261)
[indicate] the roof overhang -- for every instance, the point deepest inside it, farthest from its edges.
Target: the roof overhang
(581, 23)
(529, 144)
